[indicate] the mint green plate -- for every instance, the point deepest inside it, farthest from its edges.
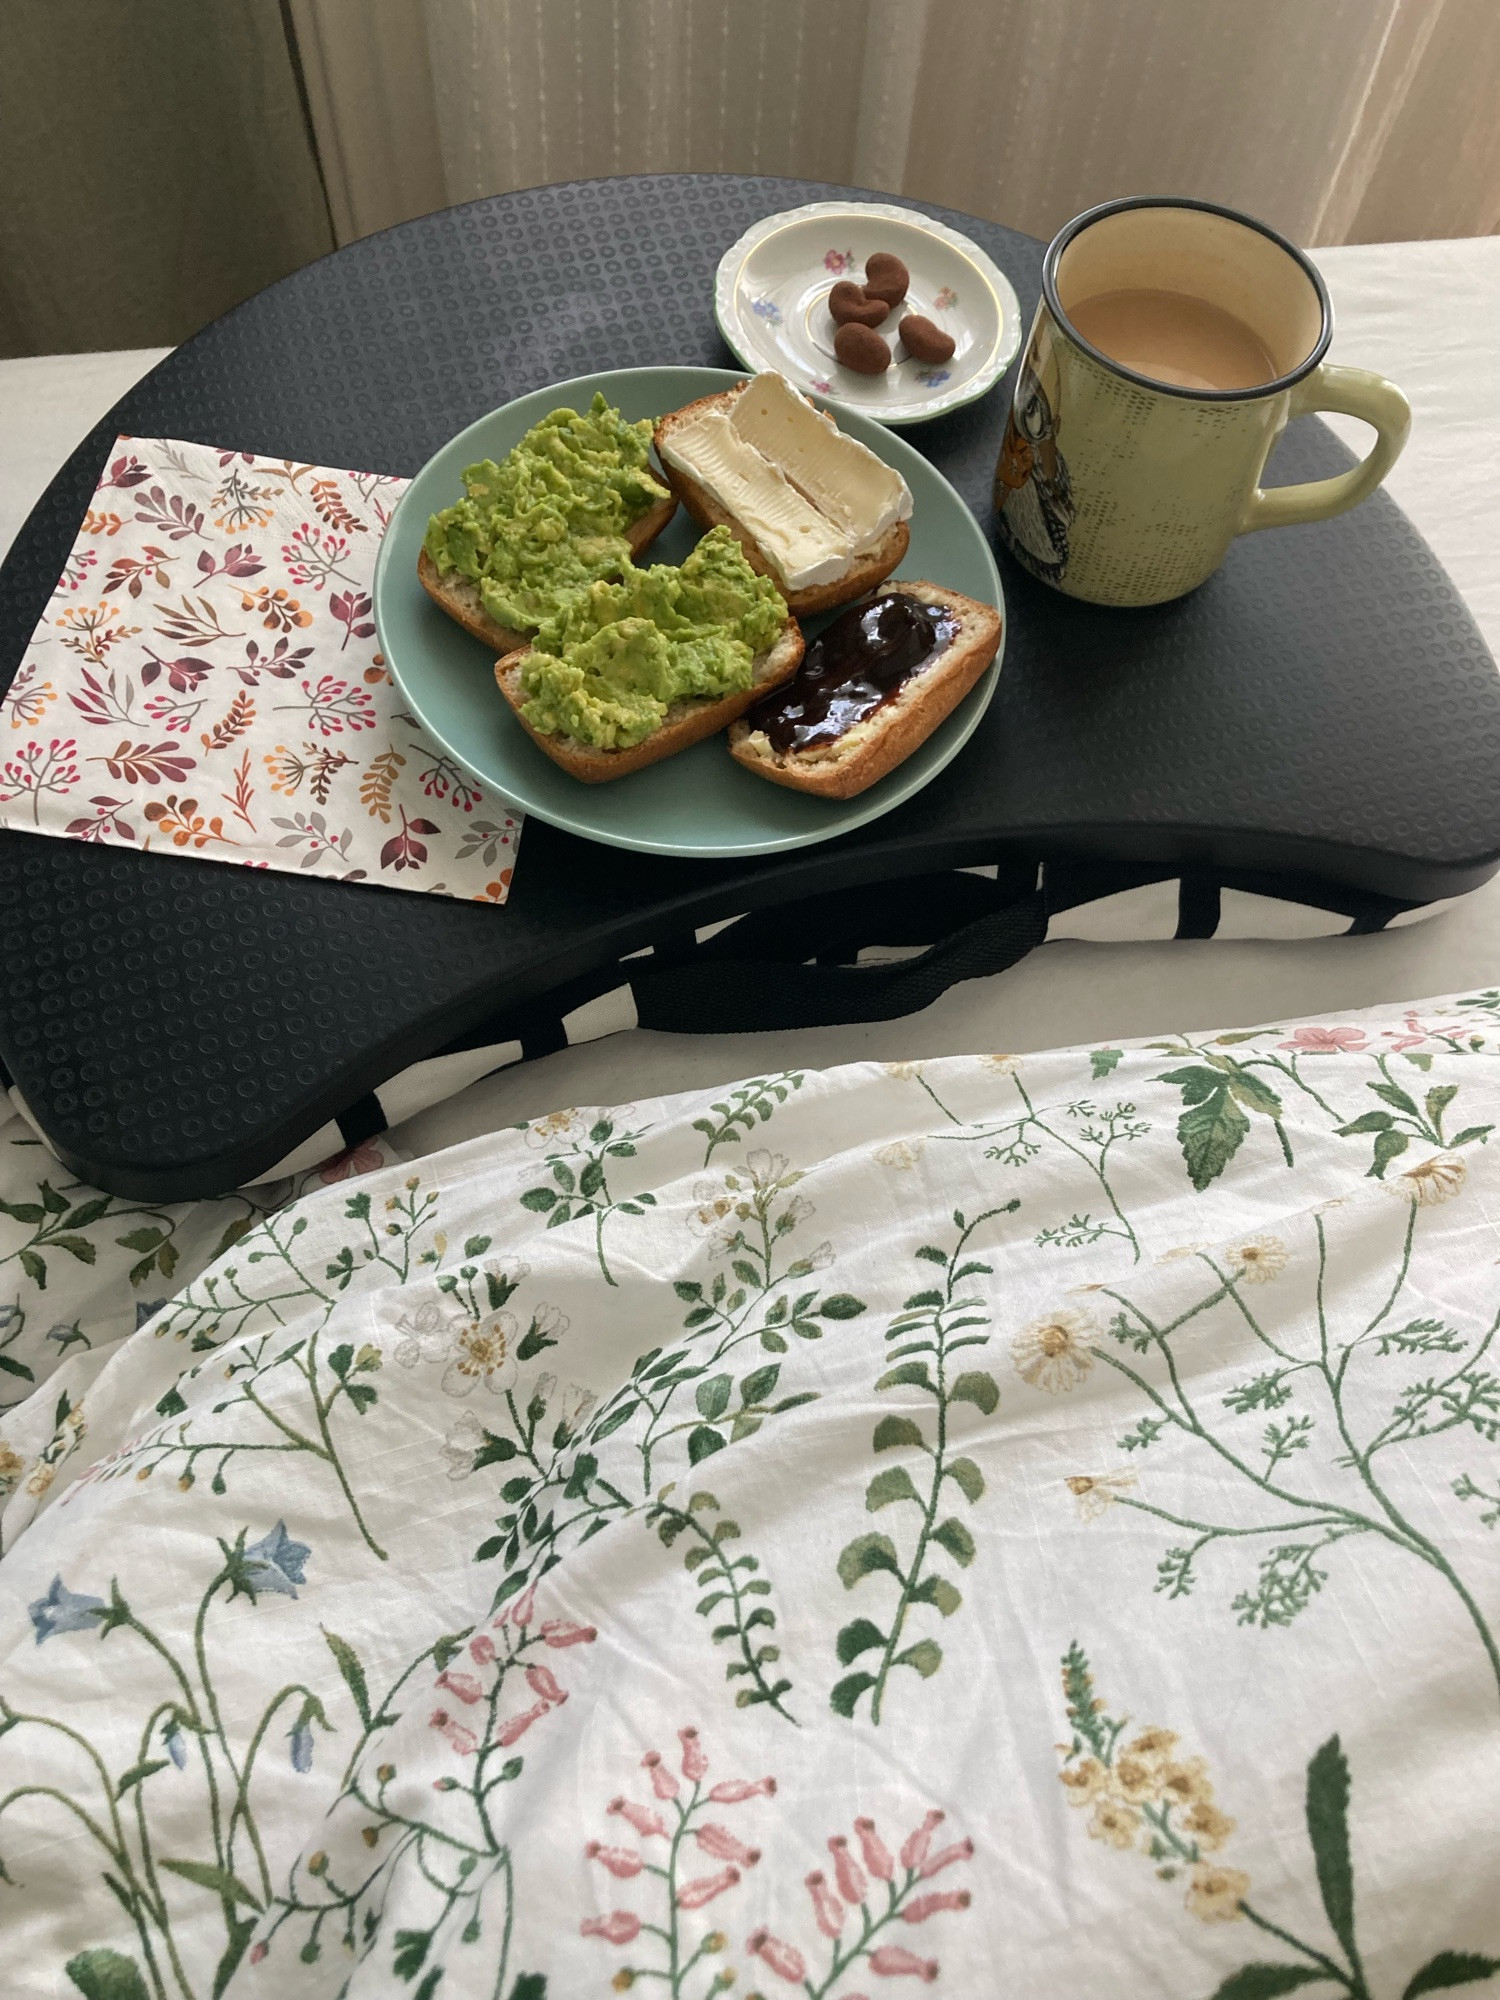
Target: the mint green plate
(700, 804)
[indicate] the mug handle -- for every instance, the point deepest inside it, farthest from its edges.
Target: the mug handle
(1351, 392)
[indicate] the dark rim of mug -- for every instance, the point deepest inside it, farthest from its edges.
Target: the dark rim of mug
(1090, 216)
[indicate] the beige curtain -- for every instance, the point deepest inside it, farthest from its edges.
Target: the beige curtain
(1337, 120)
(156, 168)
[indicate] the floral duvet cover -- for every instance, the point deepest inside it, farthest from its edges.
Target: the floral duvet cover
(1019, 1526)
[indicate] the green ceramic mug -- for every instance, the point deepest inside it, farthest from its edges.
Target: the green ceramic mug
(1121, 486)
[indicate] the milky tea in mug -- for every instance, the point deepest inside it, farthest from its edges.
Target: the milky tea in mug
(1174, 338)
(1173, 343)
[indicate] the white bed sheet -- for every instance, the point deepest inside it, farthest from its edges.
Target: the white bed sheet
(1425, 314)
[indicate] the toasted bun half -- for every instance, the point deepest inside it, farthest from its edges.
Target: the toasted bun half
(687, 722)
(459, 595)
(863, 756)
(866, 572)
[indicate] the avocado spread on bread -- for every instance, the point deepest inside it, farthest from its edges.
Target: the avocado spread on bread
(551, 518)
(612, 658)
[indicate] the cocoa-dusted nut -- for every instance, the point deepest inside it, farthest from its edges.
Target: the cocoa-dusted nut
(862, 349)
(886, 277)
(850, 305)
(925, 342)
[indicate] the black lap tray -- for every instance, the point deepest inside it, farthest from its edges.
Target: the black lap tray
(1323, 707)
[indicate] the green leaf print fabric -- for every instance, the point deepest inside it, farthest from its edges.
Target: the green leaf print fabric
(1015, 1526)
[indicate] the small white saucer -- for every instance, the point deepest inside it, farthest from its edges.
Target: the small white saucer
(771, 302)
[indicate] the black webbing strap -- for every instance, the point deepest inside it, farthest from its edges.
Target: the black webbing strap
(792, 966)
(730, 995)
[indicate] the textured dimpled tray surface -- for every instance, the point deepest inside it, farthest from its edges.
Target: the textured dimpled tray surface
(1323, 705)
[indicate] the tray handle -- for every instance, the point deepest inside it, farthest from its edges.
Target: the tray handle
(736, 995)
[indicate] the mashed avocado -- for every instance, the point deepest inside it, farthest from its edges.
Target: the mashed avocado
(612, 659)
(552, 518)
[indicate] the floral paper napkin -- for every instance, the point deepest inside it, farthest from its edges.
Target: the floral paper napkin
(205, 682)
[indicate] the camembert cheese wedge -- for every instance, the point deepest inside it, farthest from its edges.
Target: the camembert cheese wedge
(806, 546)
(814, 498)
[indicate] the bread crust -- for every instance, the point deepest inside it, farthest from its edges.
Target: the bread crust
(899, 727)
(868, 570)
(459, 595)
(688, 722)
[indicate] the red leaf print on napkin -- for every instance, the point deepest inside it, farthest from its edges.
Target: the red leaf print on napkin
(106, 819)
(147, 764)
(125, 471)
(347, 606)
(239, 560)
(183, 675)
(177, 518)
(100, 704)
(402, 850)
(281, 662)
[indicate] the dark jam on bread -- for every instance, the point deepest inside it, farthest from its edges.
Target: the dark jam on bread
(863, 660)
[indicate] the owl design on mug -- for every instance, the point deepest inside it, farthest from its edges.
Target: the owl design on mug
(1033, 492)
